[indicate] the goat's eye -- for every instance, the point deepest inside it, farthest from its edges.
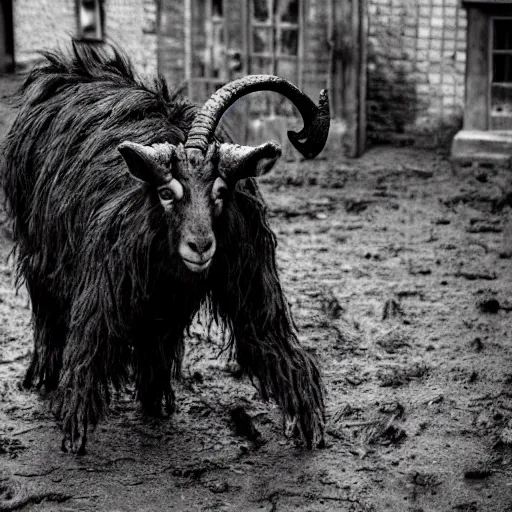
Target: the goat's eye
(166, 194)
(221, 194)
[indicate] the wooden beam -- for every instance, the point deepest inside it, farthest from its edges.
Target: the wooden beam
(485, 3)
(189, 46)
(336, 68)
(302, 39)
(363, 60)
(476, 115)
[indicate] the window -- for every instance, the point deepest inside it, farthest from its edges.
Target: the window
(501, 74)
(275, 47)
(231, 38)
(274, 41)
(212, 62)
(209, 52)
(90, 20)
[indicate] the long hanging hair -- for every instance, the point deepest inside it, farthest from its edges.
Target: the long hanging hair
(90, 241)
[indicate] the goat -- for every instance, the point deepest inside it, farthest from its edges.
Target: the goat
(128, 215)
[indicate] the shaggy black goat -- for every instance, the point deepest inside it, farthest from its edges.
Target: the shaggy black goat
(128, 215)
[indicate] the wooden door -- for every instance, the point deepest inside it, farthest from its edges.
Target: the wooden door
(6, 37)
(216, 54)
(232, 38)
(275, 44)
(227, 39)
(348, 68)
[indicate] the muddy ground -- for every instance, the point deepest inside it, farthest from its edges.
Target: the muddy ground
(398, 271)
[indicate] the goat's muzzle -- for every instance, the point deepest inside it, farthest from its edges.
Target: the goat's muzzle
(197, 252)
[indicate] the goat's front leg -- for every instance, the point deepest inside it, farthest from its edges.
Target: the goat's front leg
(50, 325)
(81, 398)
(266, 345)
(287, 373)
(158, 360)
(91, 358)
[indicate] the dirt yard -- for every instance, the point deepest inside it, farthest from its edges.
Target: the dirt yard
(399, 274)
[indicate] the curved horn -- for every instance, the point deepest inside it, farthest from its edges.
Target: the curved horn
(147, 163)
(309, 141)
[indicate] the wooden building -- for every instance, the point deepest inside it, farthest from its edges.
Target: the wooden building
(392, 67)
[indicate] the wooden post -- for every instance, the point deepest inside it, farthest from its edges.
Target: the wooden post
(476, 113)
(3, 30)
(336, 65)
(348, 70)
(363, 81)
(301, 49)
(189, 47)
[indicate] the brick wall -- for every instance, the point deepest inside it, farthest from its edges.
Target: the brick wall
(46, 24)
(41, 24)
(132, 24)
(416, 65)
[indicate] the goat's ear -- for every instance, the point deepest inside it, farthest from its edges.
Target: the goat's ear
(147, 163)
(238, 162)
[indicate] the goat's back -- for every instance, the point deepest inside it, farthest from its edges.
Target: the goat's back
(63, 178)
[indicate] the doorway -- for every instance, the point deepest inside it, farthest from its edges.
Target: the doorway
(315, 44)
(6, 37)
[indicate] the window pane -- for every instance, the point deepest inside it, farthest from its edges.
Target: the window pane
(217, 8)
(217, 52)
(261, 39)
(289, 42)
(89, 19)
(501, 107)
(260, 10)
(199, 42)
(502, 34)
(288, 10)
(261, 65)
(260, 103)
(502, 68)
(287, 68)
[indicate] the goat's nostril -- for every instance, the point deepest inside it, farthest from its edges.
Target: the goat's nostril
(201, 246)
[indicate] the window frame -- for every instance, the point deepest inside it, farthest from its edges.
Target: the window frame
(276, 26)
(491, 53)
(99, 13)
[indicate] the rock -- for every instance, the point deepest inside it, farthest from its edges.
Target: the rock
(489, 305)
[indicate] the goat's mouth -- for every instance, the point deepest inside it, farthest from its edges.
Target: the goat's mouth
(197, 266)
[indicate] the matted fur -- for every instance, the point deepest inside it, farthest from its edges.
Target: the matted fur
(109, 295)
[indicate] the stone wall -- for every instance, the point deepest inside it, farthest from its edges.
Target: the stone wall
(416, 66)
(47, 24)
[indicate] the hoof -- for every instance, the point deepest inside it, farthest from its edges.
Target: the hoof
(310, 439)
(74, 444)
